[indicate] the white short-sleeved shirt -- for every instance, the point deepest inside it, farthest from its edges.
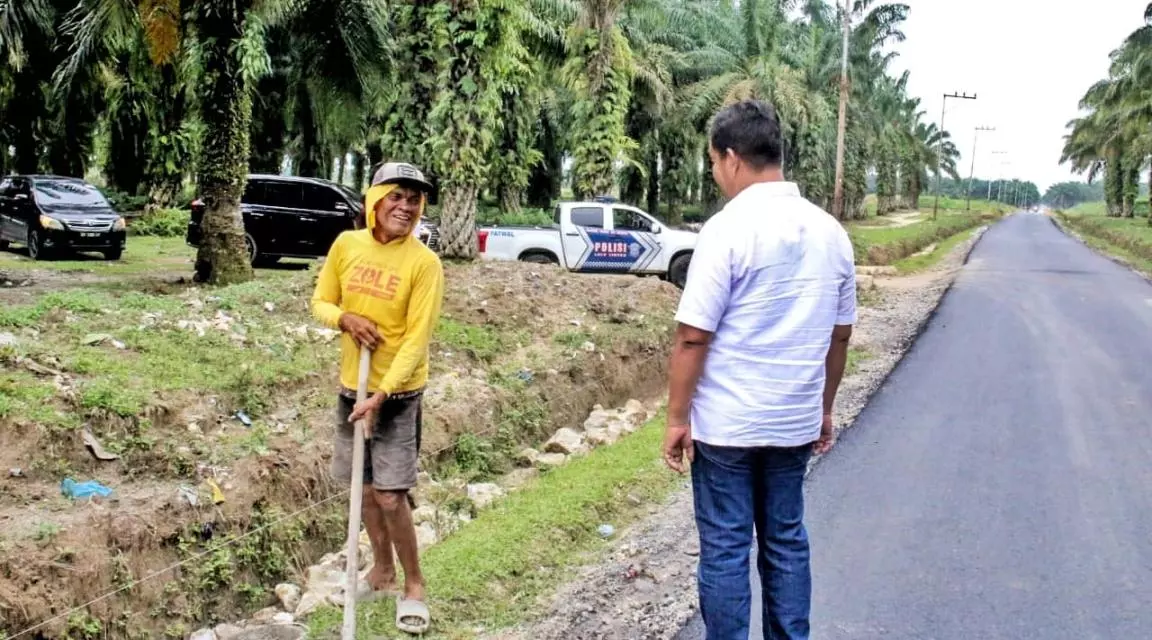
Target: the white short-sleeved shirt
(771, 275)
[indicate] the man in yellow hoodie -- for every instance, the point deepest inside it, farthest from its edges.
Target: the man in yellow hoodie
(383, 289)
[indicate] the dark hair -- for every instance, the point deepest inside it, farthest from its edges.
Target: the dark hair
(751, 129)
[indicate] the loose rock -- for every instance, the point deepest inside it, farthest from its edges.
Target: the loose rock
(203, 634)
(289, 595)
(566, 441)
(483, 494)
(551, 459)
(519, 477)
(228, 631)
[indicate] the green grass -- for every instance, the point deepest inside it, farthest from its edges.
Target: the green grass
(1140, 209)
(492, 573)
(920, 262)
(856, 355)
(875, 245)
(142, 255)
(1127, 238)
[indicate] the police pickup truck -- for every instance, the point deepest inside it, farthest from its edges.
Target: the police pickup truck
(599, 236)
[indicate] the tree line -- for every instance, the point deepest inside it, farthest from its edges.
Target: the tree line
(498, 100)
(1114, 138)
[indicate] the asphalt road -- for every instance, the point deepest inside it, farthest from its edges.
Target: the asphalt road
(1000, 483)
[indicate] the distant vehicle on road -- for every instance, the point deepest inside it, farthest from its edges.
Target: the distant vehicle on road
(600, 236)
(55, 215)
(293, 217)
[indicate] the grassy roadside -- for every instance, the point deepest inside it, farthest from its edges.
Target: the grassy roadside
(875, 245)
(1127, 238)
(921, 261)
(491, 573)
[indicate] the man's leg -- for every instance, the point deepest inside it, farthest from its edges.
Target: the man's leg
(722, 493)
(785, 574)
(382, 577)
(394, 466)
(398, 519)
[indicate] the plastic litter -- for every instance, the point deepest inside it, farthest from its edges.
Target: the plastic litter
(189, 495)
(75, 490)
(15, 472)
(243, 417)
(606, 530)
(217, 494)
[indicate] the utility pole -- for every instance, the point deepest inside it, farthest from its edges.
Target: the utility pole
(999, 174)
(842, 123)
(972, 169)
(963, 96)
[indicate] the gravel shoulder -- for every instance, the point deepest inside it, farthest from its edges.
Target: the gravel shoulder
(644, 586)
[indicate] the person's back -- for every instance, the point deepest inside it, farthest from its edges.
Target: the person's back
(761, 345)
(789, 263)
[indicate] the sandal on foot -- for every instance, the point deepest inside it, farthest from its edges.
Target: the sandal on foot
(412, 616)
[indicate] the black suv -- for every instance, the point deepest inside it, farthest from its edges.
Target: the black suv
(291, 217)
(52, 215)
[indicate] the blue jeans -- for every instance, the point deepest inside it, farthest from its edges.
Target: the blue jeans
(733, 489)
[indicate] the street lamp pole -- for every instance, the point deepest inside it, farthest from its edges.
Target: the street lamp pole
(940, 152)
(972, 169)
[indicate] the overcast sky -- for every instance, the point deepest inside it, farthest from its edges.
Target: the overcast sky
(1028, 62)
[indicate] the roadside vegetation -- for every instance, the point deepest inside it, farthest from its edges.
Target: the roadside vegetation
(235, 385)
(1113, 140)
(492, 573)
(1127, 238)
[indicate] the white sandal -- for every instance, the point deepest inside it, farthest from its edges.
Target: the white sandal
(407, 610)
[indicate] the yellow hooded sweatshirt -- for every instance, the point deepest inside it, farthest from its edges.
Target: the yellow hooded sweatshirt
(398, 285)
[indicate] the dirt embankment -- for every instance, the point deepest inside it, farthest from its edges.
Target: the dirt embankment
(645, 587)
(198, 389)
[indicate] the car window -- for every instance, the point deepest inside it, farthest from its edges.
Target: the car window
(318, 198)
(592, 217)
(69, 192)
(556, 215)
(253, 192)
(625, 220)
(282, 194)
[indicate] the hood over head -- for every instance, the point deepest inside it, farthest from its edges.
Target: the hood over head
(387, 178)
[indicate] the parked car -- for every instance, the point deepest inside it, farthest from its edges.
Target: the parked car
(293, 217)
(601, 236)
(53, 215)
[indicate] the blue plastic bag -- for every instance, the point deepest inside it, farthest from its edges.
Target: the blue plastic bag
(75, 490)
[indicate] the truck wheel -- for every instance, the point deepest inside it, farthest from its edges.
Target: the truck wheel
(678, 270)
(539, 258)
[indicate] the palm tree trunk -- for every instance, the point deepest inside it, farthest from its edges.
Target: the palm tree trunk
(226, 112)
(308, 161)
(169, 158)
(458, 221)
(359, 170)
(652, 162)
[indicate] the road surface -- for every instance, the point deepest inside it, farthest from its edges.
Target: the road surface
(1000, 483)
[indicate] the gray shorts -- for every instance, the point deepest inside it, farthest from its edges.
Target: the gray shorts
(392, 456)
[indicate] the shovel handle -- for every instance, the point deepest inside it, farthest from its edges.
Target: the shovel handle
(356, 503)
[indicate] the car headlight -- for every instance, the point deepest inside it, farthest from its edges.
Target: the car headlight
(118, 225)
(51, 223)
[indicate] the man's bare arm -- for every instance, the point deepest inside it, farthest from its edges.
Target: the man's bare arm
(689, 350)
(835, 363)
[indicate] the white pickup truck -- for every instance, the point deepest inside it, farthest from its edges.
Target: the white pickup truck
(596, 237)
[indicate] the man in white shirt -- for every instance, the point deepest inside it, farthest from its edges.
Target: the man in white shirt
(761, 344)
